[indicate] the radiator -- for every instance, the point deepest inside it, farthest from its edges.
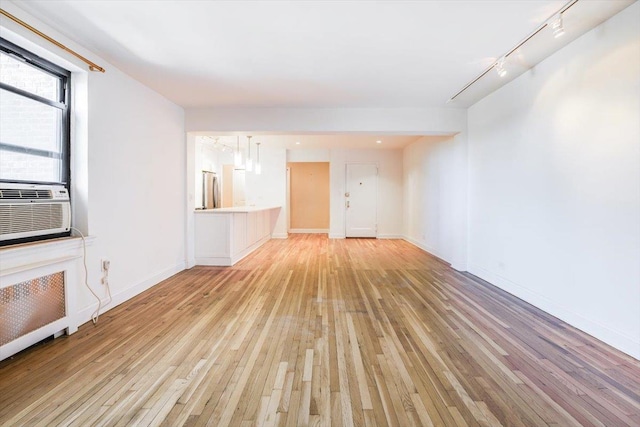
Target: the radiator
(37, 299)
(30, 305)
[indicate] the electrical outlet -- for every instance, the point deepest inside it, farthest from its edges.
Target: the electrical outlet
(106, 264)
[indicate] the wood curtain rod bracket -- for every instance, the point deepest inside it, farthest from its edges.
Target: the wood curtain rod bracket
(92, 65)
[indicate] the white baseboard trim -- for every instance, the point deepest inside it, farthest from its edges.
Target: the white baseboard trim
(390, 236)
(426, 248)
(309, 230)
(621, 341)
(280, 236)
(337, 236)
(229, 260)
(85, 314)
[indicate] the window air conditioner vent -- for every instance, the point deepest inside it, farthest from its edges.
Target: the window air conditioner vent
(30, 217)
(11, 193)
(14, 193)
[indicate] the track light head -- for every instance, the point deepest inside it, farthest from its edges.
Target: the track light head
(500, 67)
(557, 26)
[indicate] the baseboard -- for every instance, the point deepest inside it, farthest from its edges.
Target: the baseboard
(229, 260)
(309, 230)
(85, 314)
(621, 341)
(426, 248)
(379, 236)
(280, 236)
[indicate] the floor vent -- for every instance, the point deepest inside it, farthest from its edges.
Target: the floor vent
(30, 305)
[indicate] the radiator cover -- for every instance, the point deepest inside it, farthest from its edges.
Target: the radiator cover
(30, 305)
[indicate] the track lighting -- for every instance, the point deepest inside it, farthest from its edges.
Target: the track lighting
(555, 22)
(220, 146)
(500, 67)
(557, 26)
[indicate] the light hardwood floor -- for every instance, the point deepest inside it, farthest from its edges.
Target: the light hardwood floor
(312, 331)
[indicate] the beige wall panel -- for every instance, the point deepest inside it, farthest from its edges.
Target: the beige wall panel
(309, 195)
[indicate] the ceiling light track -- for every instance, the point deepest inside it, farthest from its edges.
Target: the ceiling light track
(92, 65)
(221, 146)
(554, 20)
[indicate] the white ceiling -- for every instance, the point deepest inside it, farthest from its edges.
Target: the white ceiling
(298, 53)
(323, 54)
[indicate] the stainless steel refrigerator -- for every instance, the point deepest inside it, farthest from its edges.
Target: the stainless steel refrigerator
(210, 190)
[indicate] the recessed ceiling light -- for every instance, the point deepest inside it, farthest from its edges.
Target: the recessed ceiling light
(297, 142)
(378, 142)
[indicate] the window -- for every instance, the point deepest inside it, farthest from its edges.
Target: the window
(34, 118)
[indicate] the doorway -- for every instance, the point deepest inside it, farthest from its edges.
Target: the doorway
(361, 195)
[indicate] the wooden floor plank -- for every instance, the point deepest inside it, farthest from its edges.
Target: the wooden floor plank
(315, 331)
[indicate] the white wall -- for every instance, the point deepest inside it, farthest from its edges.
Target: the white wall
(435, 197)
(128, 172)
(270, 187)
(136, 182)
(554, 164)
(309, 155)
(389, 189)
(428, 184)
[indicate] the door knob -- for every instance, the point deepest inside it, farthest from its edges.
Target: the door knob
(347, 203)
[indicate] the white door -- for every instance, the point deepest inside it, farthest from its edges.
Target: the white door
(361, 200)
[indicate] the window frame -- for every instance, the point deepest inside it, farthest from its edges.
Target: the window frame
(63, 104)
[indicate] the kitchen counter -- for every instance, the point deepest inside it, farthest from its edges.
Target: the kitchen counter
(236, 209)
(224, 236)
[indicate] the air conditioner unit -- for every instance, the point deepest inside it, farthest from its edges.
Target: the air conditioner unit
(30, 211)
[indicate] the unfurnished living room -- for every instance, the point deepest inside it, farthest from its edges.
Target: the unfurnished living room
(320, 213)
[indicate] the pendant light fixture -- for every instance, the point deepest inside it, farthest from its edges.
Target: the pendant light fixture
(249, 162)
(258, 165)
(237, 157)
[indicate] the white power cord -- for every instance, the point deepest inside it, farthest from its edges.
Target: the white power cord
(96, 314)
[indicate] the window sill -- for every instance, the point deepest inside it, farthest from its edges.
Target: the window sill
(16, 256)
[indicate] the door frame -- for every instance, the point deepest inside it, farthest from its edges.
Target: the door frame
(344, 197)
(288, 199)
